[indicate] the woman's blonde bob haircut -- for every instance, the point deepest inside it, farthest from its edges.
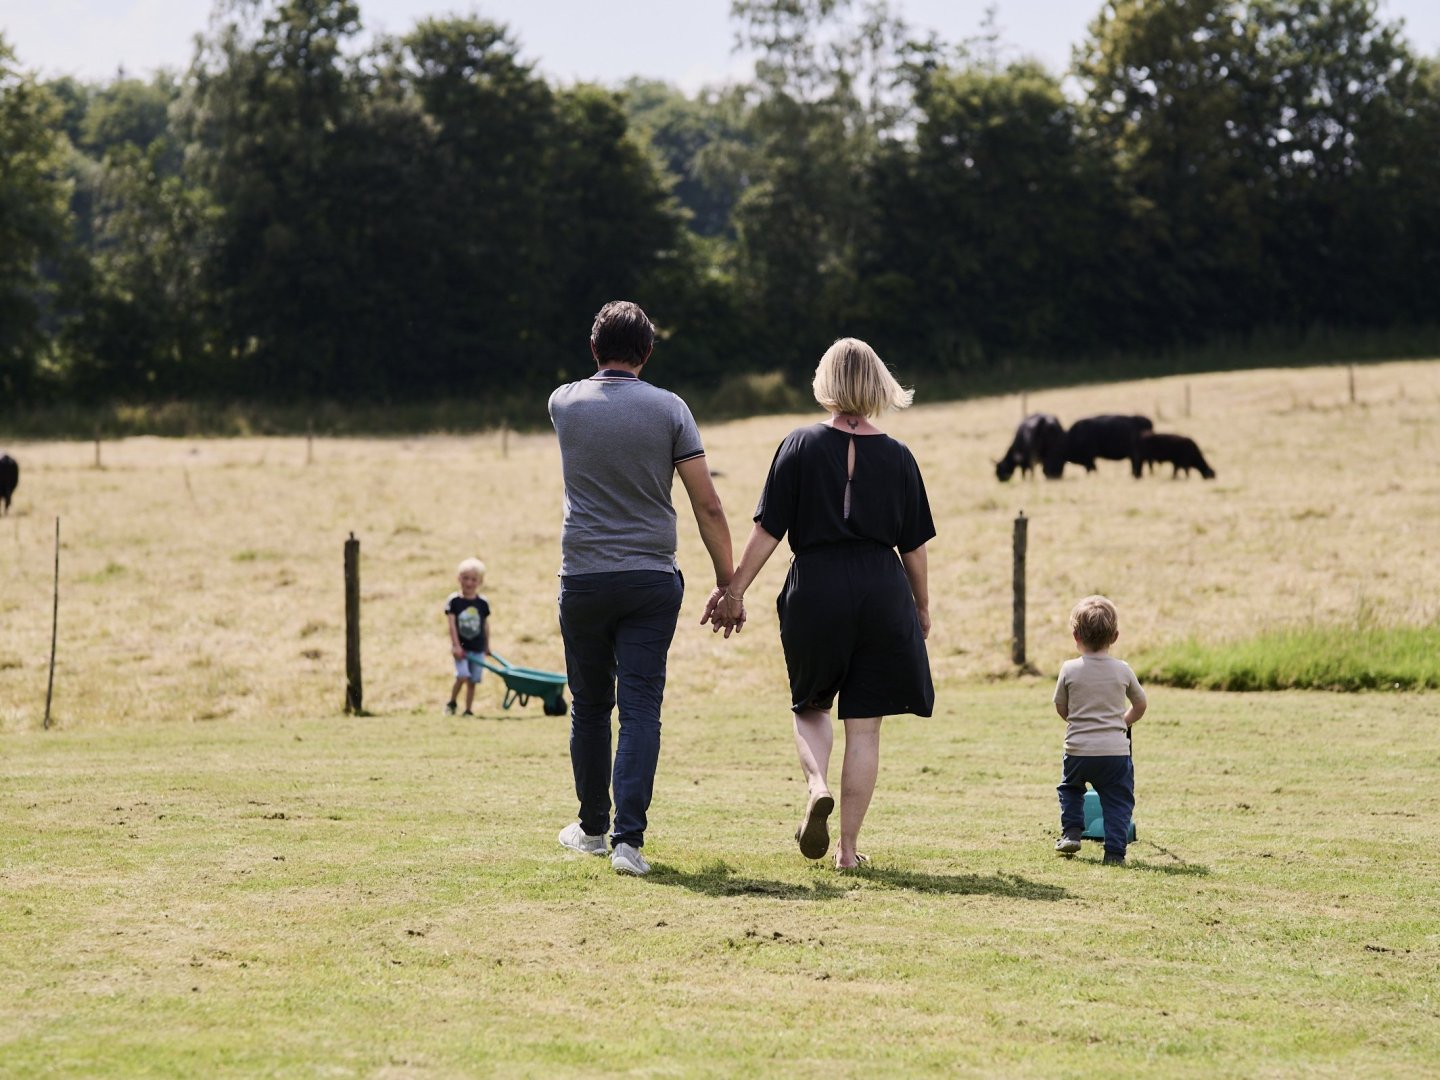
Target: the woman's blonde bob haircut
(852, 379)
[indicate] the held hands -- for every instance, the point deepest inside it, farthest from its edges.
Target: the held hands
(724, 612)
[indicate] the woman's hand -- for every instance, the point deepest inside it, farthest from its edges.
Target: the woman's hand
(724, 611)
(923, 614)
(732, 613)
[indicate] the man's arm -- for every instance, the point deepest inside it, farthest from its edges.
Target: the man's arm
(710, 517)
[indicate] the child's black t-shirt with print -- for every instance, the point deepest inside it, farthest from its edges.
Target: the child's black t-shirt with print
(470, 615)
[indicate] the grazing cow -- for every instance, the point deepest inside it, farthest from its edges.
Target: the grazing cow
(1034, 439)
(1179, 451)
(1111, 437)
(9, 480)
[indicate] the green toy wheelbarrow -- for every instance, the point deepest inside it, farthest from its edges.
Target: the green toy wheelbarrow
(523, 683)
(1095, 820)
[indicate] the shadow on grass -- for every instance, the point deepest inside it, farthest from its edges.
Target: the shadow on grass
(1176, 867)
(720, 879)
(1010, 885)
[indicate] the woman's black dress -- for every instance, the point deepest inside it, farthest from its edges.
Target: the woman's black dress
(847, 617)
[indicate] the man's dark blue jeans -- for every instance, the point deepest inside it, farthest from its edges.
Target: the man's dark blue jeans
(1113, 778)
(617, 629)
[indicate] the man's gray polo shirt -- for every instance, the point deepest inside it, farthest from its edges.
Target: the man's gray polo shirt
(620, 440)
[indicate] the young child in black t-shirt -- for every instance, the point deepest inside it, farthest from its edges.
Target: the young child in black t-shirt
(468, 614)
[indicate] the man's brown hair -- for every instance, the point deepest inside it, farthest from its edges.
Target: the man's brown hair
(622, 333)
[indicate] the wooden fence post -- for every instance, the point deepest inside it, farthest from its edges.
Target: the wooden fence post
(354, 691)
(504, 439)
(1187, 401)
(97, 447)
(54, 627)
(1017, 639)
(310, 441)
(1352, 384)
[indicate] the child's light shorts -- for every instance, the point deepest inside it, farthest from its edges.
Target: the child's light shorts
(470, 667)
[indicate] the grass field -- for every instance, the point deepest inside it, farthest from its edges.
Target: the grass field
(206, 869)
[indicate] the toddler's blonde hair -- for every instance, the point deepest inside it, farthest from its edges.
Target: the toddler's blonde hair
(472, 564)
(1095, 622)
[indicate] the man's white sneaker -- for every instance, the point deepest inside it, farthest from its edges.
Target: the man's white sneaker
(577, 839)
(627, 860)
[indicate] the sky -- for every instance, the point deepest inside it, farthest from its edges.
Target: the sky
(685, 42)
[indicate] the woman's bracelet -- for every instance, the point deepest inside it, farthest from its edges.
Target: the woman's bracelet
(731, 596)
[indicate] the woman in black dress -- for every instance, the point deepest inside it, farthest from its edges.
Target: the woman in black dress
(853, 616)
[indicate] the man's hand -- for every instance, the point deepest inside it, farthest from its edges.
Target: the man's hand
(711, 603)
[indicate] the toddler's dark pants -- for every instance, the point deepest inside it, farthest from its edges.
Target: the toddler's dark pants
(1113, 779)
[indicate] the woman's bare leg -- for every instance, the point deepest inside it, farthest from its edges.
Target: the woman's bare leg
(857, 783)
(814, 738)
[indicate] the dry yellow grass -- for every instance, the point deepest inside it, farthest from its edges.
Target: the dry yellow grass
(202, 578)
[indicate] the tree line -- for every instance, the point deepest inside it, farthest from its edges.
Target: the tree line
(298, 218)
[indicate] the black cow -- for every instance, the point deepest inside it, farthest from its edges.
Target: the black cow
(9, 480)
(1035, 438)
(1179, 451)
(1111, 437)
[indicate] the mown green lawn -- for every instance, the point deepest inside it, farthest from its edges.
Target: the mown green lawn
(320, 896)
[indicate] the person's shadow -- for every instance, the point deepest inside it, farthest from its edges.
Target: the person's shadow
(720, 879)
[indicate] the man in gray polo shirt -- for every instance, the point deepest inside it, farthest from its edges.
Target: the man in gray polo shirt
(621, 443)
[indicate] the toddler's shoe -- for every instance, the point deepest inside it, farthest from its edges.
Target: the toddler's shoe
(1068, 844)
(467, 712)
(450, 708)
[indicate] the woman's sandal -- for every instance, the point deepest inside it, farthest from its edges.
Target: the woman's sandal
(860, 862)
(813, 835)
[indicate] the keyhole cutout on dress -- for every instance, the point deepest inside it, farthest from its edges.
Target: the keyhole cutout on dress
(849, 475)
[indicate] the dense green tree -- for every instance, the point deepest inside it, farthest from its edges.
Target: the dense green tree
(143, 316)
(828, 93)
(1176, 94)
(33, 221)
(996, 224)
(702, 142)
(1271, 151)
(1352, 135)
(480, 205)
(610, 223)
(273, 116)
(296, 216)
